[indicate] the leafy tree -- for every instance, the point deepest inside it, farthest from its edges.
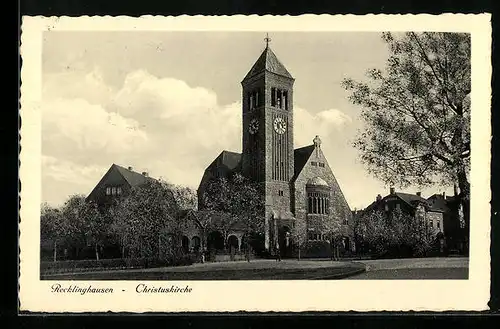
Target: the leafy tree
(83, 223)
(299, 235)
(74, 222)
(147, 217)
(184, 196)
(399, 233)
(333, 229)
(241, 200)
(95, 225)
(51, 227)
(357, 227)
(417, 112)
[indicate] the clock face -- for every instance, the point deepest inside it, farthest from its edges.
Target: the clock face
(279, 125)
(253, 126)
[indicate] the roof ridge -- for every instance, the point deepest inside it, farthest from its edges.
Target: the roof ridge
(304, 147)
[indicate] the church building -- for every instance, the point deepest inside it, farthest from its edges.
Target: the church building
(299, 184)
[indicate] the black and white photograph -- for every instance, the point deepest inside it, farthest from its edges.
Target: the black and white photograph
(255, 155)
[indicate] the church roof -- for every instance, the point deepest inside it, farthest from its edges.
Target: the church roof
(268, 62)
(229, 159)
(226, 159)
(301, 155)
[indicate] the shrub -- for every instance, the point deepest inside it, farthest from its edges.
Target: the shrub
(118, 263)
(318, 249)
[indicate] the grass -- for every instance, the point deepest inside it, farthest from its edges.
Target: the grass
(255, 270)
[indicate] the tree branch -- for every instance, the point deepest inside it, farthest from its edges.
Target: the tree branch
(428, 61)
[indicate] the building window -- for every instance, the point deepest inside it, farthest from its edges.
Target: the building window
(280, 193)
(318, 203)
(279, 98)
(432, 223)
(254, 99)
(321, 164)
(108, 190)
(438, 224)
(119, 190)
(314, 163)
(398, 206)
(113, 190)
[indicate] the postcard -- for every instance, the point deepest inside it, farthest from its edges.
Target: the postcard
(255, 163)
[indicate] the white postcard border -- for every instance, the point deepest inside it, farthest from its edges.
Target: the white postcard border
(227, 296)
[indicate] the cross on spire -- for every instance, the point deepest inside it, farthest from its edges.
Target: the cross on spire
(267, 39)
(317, 141)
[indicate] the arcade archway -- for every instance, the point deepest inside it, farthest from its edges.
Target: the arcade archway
(215, 241)
(196, 243)
(185, 244)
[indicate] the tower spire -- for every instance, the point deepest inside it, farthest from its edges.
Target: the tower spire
(267, 39)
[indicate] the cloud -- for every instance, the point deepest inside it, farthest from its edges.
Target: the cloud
(334, 116)
(77, 84)
(75, 128)
(161, 125)
(325, 124)
(71, 172)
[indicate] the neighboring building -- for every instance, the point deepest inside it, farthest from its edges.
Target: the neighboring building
(298, 183)
(453, 225)
(439, 211)
(413, 205)
(115, 183)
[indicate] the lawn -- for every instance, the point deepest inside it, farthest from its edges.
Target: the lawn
(254, 270)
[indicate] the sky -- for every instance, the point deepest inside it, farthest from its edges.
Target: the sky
(169, 102)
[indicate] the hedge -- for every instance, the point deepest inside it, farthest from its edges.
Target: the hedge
(112, 264)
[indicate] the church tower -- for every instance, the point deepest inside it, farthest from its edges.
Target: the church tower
(268, 132)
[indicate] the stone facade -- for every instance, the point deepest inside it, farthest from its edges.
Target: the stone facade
(268, 156)
(338, 208)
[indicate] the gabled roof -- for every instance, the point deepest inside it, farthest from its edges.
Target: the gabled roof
(270, 63)
(132, 177)
(438, 203)
(411, 199)
(301, 155)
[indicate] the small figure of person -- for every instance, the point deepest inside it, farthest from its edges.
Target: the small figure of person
(202, 257)
(278, 253)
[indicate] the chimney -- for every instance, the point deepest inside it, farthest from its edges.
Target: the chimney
(444, 195)
(145, 173)
(130, 168)
(378, 198)
(391, 190)
(419, 193)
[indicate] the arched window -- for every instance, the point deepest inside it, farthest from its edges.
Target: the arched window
(317, 201)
